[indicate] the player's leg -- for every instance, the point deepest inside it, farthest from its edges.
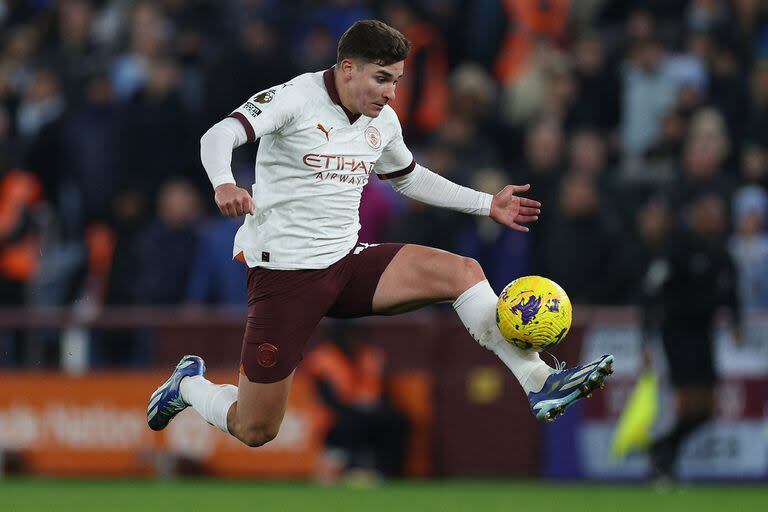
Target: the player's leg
(419, 275)
(273, 345)
(251, 412)
(256, 416)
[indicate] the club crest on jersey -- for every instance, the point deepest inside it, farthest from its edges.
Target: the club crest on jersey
(373, 137)
(264, 97)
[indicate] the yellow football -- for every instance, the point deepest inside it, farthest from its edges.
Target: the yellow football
(534, 313)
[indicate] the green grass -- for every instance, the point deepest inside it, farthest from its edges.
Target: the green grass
(26, 495)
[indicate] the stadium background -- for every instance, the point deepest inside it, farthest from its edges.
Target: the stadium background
(114, 262)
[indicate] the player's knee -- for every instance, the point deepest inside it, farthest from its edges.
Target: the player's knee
(259, 434)
(470, 272)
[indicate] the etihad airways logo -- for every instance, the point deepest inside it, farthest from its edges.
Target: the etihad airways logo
(337, 163)
(358, 180)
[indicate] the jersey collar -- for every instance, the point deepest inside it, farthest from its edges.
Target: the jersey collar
(330, 85)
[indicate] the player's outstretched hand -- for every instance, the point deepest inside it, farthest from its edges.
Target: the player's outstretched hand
(511, 210)
(232, 200)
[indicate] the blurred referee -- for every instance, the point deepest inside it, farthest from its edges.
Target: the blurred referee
(683, 291)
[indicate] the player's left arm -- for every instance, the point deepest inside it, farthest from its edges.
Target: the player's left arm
(506, 207)
(397, 165)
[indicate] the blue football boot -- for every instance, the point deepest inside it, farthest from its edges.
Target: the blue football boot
(566, 386)
(165, 403)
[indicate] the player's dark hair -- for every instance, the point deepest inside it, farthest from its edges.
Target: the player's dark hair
(373, 41)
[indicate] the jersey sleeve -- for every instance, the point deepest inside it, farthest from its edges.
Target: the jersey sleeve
(268, 111)
(396, 160)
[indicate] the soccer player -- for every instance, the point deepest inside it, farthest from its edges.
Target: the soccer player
(322, 136)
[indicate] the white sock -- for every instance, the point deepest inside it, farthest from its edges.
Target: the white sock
(477, 309)
(210, 400)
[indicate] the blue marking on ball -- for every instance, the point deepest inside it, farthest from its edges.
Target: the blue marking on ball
(527, 309)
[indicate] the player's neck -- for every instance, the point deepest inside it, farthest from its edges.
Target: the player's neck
(343, 92)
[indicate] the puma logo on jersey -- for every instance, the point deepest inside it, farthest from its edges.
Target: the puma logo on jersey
(326, 132)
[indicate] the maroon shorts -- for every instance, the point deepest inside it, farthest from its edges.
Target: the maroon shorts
(285, 306)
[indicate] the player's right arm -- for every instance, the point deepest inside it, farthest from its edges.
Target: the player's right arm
(266, 112)
(216, 147)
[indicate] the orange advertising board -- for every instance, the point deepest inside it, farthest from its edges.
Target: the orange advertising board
(96, 424)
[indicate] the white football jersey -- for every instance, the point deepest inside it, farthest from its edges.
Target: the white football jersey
(313, 160)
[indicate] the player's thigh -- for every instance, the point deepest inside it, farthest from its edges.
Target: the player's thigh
(419, 275)
(284, 307)
(260, 409)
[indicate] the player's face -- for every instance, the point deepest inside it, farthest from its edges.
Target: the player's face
(372, 86)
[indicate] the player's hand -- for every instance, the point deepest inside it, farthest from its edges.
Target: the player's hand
(510, 210)
(233, 201)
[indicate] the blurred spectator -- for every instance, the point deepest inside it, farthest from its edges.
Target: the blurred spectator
(646, 243)
(41, 105)
(215, 277)
(317, 51)
(239, 72)
(156, 136)
(709, 15)
(473, 96)
(421, 101)
(560, 101)
(165, 250)
(728, 89)
(542, 167)
(526, 98)
(746, 28)
(17, 63)
(365, 431)
(650, 88)
(749, 245)
(20, 198)
(578, 228)
(70, 52)
(705, 150)
(685, 288)
(79, 156)
(663, 157)
(689, 65)
(757, 122)
(148, 34)
(587, 154)
(129, 218)
(598, 84)
(471, 148)
(8, 153)
(527, 24)
(754, 166)
(20, 203)
(484, 23)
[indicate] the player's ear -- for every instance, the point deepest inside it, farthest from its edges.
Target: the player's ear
(347, 66)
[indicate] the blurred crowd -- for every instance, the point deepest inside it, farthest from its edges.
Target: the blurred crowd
(627, 117)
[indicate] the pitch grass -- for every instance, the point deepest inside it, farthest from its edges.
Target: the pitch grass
(27, 495)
